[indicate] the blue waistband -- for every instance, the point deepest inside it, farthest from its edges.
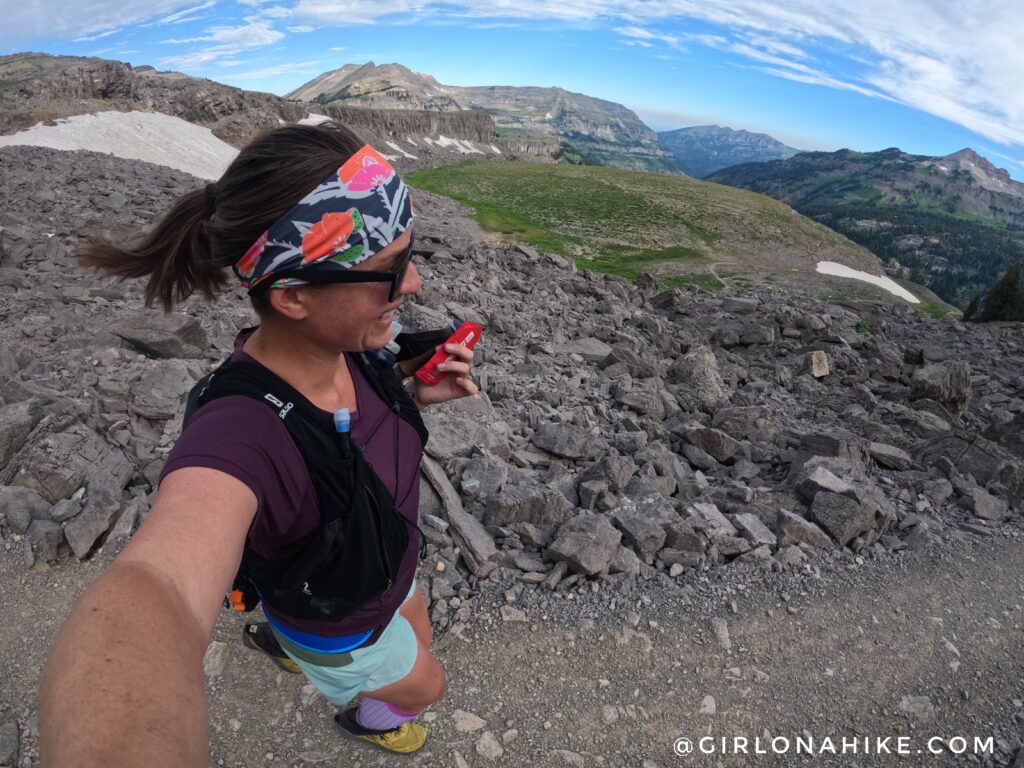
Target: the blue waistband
(318, 643)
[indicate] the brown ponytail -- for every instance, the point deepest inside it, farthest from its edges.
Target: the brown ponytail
(205, 232)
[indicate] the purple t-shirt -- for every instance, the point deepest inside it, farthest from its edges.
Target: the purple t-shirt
(244, 438)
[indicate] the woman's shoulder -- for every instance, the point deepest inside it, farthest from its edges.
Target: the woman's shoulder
(239, 435)
(242, 415)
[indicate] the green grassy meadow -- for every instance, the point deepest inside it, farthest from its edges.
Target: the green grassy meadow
(625, 222)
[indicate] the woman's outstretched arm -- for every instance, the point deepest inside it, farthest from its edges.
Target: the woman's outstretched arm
(123, 684)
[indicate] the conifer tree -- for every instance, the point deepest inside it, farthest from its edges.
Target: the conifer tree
(1006, 299)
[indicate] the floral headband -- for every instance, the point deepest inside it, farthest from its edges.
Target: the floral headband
(357, 211)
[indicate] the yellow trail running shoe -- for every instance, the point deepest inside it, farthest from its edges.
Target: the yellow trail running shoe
(259, 637)
(403, 740)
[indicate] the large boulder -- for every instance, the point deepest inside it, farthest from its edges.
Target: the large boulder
(986, 461)
(844, 518)
(16, 423)
(753, 529)
(161, 335)
(819, 478)
(948, 383)
(1010, 435)
(589, 543)
(752, 423)
(590, 349)
(639, 366)
(615, 471)
(644, 534)
(983, 504)
(706, 517)
(702, 382)
(459, 427)
(525, 503)
(59, 464)
(19, 506)
(713, 442)
(102, 503)
(161, 392)
(794, 529)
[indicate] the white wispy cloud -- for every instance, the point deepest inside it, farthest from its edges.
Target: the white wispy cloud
(645, 34)
(958, 60)
(961, 61)
(308, 67)
(186, 14)
(224, 42)
(27, 23)
(97, 36)
(301, 28)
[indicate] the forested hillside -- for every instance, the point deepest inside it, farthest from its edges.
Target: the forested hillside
(954, 223)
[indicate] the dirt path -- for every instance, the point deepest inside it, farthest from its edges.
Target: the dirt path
(929, 648)
(723, 280)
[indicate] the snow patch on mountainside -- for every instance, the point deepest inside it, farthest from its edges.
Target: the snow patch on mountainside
(149, 136)
(841, 270)
(315, 119)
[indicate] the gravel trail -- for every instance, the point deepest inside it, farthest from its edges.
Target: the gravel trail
(915, 646)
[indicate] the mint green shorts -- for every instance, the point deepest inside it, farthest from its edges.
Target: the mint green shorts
(346, 675)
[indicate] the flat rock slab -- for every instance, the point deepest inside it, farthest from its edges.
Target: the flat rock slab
(162, 335)
(568, 441)
(794, 529)
(590, 349)
(890, 456)
(467, 531)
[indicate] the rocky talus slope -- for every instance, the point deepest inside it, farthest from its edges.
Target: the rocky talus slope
(631, 445)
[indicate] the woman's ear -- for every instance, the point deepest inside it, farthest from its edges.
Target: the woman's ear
(293, 302)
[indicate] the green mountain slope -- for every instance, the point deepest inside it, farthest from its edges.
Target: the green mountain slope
(676, 228)
(704, 149)
(953, 223)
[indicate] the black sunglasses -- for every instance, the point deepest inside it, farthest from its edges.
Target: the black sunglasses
(394, 276)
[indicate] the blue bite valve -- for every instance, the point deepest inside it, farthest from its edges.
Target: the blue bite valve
(343, 425)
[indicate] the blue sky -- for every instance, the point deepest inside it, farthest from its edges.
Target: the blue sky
(928, 76)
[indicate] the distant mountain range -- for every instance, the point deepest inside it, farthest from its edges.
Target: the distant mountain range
(953, 223)
(704, 149)
(553, 121)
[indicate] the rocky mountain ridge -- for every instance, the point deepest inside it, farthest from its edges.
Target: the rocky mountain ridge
(588, 129)
(388, 86)
(40, 88)
(704, 149)
(953, 223)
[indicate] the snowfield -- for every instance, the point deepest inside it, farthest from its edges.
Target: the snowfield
(841, 270)
(150, 136)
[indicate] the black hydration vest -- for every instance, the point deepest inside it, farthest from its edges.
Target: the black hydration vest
(354, 553)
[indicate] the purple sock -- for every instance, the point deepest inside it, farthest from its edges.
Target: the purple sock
(381, 716)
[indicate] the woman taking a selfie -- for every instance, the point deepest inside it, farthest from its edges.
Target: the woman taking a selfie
(295, 478)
